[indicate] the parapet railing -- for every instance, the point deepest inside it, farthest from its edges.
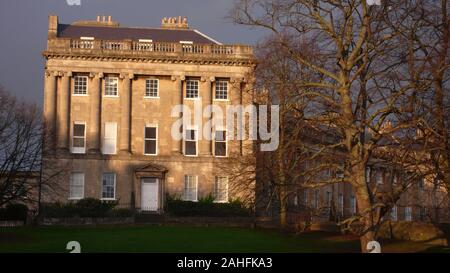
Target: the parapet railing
(134, 47)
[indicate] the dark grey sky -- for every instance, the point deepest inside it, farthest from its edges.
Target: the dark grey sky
(23, 30)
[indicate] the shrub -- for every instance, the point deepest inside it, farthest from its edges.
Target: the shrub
(14, 212)
(89, 207)
(205, 207)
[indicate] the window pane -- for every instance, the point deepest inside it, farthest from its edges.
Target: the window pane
(191, 148)
(191, 89)
(150, 147)
(222, 90)
(221, 135)
(78, 130)
(108, 185)
(76, 185)
(78, 142)
(220, 149)
(190, 134)
(150, 132)
(190, 188)
(111, 86)
(151, 88)
(221, 189)
(80, 85)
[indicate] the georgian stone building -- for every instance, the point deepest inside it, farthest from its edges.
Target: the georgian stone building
(109, 95)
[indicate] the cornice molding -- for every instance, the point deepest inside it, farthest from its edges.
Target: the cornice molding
(202, 61)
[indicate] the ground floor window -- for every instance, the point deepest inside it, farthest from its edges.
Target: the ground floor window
(76, 186)
(408, 214)
(190, 188)
(109, 186)
(353, 204)
(394, 213)
(221, 189)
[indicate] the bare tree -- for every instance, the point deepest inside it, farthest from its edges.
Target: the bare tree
(21, 142)
(355, 91)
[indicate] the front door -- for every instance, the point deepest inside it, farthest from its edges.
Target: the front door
(149, 194)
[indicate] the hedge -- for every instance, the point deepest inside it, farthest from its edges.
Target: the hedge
(14, 212)
(206, 208)
(88, 207)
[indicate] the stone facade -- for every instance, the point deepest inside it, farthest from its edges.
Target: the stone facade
(132, 62)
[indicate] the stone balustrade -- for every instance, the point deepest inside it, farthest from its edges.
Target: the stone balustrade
(126, 47)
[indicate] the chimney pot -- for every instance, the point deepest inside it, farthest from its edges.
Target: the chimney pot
(109, 18)
(98, 18)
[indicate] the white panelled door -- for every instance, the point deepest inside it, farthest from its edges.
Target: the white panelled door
(149, 194)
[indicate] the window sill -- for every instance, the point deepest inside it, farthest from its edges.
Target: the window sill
(221, 202)
(190, 155)
(108, 199)
(80, 95)
(150, 154)
(198, 98)
(151, 98)
(110, 96)
(221, 156)
(75, 198)
(221, 100)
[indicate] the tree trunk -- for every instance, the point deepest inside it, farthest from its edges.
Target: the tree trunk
(364, 205)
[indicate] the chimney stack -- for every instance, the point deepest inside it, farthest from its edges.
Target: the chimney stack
(179, 22)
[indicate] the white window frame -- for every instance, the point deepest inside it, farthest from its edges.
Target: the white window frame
(78, 150)
(146, 95)
(216, 182)
(71, 183)
(198, 90)
(105, 138)
(75, 86)
(394, 213)
(379, 177)
(408, 214)
(341, 203)
(109, 78)
(190, 128)
(150, 125)
(115, 187)
(227, 91)
(222, 129)
(329, 200)
(368, 174)
(186, 188)
(353, 204)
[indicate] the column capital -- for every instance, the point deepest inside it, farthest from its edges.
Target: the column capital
(129, 76)
(178, 77)
(51, 73)
(237, 80)
(67, 74)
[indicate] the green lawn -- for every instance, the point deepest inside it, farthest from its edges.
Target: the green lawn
(179, 239)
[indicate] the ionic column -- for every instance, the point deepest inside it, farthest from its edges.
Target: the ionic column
(125, 117)
(94, 126)
(63, 105)
(235, 95)
(50, 109)
(207, 90)
(177, 145)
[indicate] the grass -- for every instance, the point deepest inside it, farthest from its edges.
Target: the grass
(182, 239)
